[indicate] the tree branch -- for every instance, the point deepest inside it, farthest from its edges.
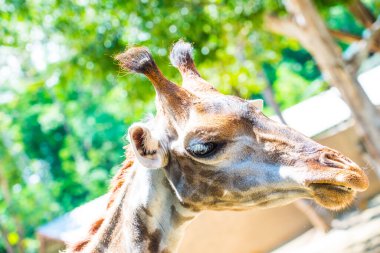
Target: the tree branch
(358, 51)
(362, 13)
(344, 36)
(283, 26)
(373, 39)
(351, 38)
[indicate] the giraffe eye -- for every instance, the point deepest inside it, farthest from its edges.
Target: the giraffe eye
(202, 150)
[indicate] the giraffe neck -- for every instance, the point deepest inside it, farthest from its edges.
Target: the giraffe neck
(146, 216)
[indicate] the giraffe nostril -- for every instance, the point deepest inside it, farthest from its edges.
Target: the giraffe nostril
(331, 159)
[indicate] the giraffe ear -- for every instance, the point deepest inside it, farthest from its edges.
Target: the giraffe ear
(258, 103)
(148, 150)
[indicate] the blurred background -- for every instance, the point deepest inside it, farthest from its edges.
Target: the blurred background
(65, 105)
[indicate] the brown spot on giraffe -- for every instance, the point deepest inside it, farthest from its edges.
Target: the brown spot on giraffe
(177, 218)
(154, 240)
(146, 211)
(166, 251)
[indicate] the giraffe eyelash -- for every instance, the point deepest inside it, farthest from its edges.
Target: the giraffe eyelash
(204, 149)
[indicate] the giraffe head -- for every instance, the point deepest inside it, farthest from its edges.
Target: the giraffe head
(220, 152)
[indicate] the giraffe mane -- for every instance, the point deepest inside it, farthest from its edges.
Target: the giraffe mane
(116, 183)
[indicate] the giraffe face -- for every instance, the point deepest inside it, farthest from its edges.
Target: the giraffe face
(229, 156)
(220, 152)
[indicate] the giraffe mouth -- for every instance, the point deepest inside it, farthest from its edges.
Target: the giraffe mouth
(278, 197)
(333, 187)
(332, 196)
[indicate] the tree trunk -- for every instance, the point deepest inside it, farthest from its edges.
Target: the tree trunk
(306, 25)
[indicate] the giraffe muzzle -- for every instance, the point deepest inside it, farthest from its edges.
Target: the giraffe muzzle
(340, 171)
(334, 179)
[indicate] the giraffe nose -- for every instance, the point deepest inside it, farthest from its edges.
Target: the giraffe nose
(333, 159)
(345, 171)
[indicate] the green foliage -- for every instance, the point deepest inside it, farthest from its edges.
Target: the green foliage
(297, 89)
(65, 105)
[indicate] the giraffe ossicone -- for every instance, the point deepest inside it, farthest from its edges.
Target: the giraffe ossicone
(207, 151)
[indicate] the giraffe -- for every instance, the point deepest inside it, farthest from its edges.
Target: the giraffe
(207, 151)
